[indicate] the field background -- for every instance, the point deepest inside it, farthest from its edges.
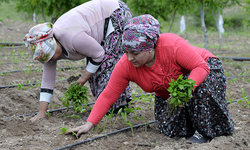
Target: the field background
(19, 133)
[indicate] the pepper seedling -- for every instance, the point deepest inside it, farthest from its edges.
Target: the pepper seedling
(65, 129)
(180, 91)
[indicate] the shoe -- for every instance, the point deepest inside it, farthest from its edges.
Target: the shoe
(199, 138)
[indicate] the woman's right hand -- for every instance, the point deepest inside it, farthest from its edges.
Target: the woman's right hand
(38, 116)
(81, 129)
(43, 106)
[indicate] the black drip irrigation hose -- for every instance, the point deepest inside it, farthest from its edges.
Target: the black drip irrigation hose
(32, 62)
(237, 76)
(49, 111)
(36, 62)
(64, 108)
(105, 135)
(233, 58)
(11, 44)
(11, 86)
(64, 68)
(18, 56)
(236, 58)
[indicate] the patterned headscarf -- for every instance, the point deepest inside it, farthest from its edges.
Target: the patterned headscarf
(40, 42)
(141, 33)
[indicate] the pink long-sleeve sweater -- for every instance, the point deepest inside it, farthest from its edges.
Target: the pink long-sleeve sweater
(80, 32)
(173, 57)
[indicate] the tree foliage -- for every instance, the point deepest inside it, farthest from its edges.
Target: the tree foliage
(165, 9)
(160, 8)
(50, 8)
(247, 8)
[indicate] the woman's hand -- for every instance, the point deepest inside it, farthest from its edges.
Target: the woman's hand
(43, 106)
(85, 76)
(81, 129)
(81, 81)
(38, 116)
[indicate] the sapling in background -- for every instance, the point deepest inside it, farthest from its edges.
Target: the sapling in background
(180, 91)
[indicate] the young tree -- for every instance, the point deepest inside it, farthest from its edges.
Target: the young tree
(201, 4)
(216, 7)
(160, 8)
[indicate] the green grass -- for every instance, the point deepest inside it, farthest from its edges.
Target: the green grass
(8, 11)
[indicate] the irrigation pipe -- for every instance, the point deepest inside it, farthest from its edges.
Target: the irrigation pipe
(64, 68)
(49, 111)
(105, 135)
(237, 76)
(11, 86)
(64, 108)
(35, 62)
(236, 58)
(11, 44)
(19, 56)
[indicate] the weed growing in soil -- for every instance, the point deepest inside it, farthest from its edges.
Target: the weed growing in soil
(245, 98)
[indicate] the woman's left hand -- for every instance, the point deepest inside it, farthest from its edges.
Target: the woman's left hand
(84, 78)
(81, 129)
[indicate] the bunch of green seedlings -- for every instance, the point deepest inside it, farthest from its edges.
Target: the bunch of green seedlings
(180, 92)
(75, 96)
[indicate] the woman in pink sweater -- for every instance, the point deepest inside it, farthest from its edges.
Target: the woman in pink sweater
(151, 60)
(92, 30)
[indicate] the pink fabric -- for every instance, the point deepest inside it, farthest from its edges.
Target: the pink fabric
(80, 32)
(174, 56)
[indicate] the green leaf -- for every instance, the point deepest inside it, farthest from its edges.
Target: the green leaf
(64, 129)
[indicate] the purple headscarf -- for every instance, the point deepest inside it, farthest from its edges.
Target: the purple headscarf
(141, 33)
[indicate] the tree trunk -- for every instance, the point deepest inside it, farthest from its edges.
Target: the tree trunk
(172, 21)
(217, 25)
(186, 21)
(43, 15)
(203, 24)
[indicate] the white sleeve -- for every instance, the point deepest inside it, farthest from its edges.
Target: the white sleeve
(46, 97)
(91, 67)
